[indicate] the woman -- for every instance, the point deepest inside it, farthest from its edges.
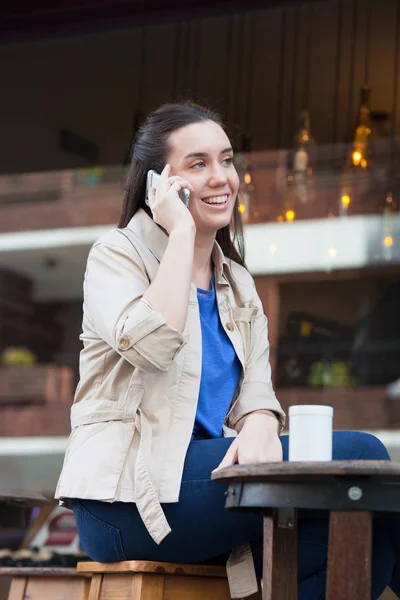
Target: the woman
(175, 358)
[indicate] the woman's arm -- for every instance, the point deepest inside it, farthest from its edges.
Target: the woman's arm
(256, 415)
(256, 393)
(169, 292)
(114, 287)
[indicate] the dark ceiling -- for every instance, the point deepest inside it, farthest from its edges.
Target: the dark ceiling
(29, 19)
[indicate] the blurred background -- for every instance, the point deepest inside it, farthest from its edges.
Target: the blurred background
(310, 94)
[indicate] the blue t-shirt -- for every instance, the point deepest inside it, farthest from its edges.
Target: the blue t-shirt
(220, 371)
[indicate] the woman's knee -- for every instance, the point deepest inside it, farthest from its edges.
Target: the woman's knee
(356, 445)
(371, 447)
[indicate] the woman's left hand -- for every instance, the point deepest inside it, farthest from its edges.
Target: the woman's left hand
(257, 442)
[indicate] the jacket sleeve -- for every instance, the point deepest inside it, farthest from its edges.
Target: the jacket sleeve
(256, 392)
(115, 282)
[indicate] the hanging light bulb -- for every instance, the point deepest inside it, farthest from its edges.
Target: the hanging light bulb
(247, 178)
(246, 187)
(387, 226)
(290, 215)
(346, 200)
(345, 192)
(364, 133)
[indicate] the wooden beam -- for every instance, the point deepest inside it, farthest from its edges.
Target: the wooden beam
(62, 17)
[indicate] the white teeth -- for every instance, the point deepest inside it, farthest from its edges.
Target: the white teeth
(216, 199)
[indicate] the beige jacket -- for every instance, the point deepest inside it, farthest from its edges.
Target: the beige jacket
(135, 405)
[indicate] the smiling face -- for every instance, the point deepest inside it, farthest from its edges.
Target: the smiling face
(202, 154)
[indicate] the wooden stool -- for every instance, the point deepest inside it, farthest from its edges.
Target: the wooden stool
(143, 580)
(346, 492)
(46, 583)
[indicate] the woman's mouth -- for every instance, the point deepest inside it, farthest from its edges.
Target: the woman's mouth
(218, 202)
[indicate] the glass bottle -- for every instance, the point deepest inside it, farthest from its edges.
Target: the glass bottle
(303, 161)
(245, 190)
(364, 133)
(387, 210)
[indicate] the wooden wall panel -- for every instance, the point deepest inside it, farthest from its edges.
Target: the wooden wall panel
(361, 8)
(266, 91)
(232, 53)
(159, 72)
(258, 68)
(300, 60)
(238, 79)
(187, 60)
(211, 62)
(345, 70)
(382, 55)
(323, 29)
(289, 52)
(396, 78)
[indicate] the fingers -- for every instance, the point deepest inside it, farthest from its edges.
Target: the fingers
(230, 457)
(151, 197)
(165, 173)
(178, 185)
(167, 180)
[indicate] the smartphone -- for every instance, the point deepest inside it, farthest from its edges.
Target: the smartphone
(152, 182)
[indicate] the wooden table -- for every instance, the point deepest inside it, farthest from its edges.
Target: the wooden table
(349, 492)
(14, 505)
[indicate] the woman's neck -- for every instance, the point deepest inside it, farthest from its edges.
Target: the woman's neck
(202, 263)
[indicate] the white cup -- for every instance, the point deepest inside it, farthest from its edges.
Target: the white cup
(310, 433)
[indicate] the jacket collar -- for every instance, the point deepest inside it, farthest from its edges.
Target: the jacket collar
(156, 240)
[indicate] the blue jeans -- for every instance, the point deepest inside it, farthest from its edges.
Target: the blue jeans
(204, 531)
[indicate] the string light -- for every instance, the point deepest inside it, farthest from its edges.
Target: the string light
(241, 208)
(290, 215)
(247, 178)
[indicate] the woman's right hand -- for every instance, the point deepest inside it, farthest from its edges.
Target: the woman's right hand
(166, 206)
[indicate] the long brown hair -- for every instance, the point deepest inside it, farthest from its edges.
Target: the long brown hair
(150, 150)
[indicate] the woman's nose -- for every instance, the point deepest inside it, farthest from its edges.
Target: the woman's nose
(218, 175)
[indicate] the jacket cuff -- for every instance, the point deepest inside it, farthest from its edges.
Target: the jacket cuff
(146, 333)
(255, 396)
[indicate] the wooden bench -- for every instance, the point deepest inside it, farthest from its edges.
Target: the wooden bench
(46, 583)
(144, 580)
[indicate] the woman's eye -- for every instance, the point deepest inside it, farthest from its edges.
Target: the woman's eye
(197, 165)
(228, 161)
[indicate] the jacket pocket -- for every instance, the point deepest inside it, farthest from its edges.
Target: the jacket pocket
(242, 317)
(101, 541)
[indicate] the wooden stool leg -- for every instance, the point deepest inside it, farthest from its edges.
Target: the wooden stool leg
(280, 556)
(349, 555)
(17, 588)
(132, 586)
(148, 587)
(95, 587)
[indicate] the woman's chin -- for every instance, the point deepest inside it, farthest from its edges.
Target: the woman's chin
(211, 223)
(211, 226)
